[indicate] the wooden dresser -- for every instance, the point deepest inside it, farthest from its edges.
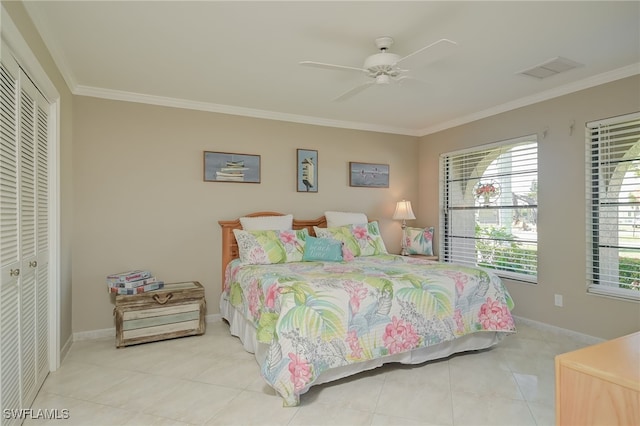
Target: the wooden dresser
(600, 384)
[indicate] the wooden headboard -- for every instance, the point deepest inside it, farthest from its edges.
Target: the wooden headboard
(230, 245)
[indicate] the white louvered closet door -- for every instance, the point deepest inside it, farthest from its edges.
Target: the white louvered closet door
(42, 241)
(24, 239)
(10, 393)
(33, 298)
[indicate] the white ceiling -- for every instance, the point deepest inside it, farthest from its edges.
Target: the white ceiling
(242, 57)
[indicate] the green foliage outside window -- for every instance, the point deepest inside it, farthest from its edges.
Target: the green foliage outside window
(499, 249)
(630, 273)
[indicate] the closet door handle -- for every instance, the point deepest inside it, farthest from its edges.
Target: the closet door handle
(33, 263)
(14, 272)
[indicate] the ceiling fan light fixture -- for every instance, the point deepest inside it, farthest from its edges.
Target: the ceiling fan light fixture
(383, 60)
(383, 79)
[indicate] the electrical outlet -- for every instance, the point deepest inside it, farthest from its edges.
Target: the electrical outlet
(558, 300)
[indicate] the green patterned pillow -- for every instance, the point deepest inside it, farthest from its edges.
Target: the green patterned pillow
(267, 247)
(419, 241)
(358, 239)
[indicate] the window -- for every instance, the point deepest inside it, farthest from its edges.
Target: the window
(489, 200)
(613, 206)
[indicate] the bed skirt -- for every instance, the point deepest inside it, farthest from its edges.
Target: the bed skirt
(246, 332)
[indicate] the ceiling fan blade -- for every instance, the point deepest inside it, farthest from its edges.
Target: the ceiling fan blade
(404, 79)
(437, 50)
(330, 66)
(352, 92)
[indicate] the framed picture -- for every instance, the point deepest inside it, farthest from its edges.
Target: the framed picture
(307, 166)
(231, 167)
(368, 175)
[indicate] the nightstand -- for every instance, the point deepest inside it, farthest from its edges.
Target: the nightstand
(422, 256)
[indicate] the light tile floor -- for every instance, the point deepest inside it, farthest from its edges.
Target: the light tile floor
(211, 380)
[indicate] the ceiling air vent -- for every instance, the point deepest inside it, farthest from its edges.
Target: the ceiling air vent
(551, 67)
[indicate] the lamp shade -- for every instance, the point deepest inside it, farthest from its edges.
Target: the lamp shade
(403, 211)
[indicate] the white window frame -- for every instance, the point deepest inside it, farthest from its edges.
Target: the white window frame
(459, 205)
(611, 145)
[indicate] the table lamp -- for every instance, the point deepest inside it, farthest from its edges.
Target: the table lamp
(404, 212)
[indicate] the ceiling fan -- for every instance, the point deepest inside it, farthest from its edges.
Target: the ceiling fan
(383, 67)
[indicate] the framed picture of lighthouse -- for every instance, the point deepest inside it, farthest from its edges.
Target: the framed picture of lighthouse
(231, 167)
(307, 166)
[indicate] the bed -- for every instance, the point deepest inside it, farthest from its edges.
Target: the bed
(311, 322)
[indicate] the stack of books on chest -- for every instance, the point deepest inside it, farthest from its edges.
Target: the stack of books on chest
(133, 282)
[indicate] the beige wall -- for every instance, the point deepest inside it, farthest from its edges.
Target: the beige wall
(132, 193)
(36, 45)
(561, 200)
(140, 199)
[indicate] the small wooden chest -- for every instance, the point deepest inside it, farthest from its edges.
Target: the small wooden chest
(176, 310)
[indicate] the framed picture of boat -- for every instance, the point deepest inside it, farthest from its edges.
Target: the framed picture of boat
(231, 167)
(368, 175)
(307, 166)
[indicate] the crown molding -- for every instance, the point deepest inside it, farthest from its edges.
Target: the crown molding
(607, 77)
(235, 110)
(575, 86)
(69, 77)
(61, 62)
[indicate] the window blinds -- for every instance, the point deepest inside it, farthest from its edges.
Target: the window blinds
(613, 206)
(489, 201)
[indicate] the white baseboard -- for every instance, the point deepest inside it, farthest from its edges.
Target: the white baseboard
(64, 351)
(111, 332)
(584, 338)
(213, 318)
(94, 334)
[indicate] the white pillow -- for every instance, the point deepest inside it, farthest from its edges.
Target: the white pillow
(267, 223)
(336, 219)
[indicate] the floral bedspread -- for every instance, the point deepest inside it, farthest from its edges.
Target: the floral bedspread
(321, 315)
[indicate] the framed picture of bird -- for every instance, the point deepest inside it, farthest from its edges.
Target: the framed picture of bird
(307, 167)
